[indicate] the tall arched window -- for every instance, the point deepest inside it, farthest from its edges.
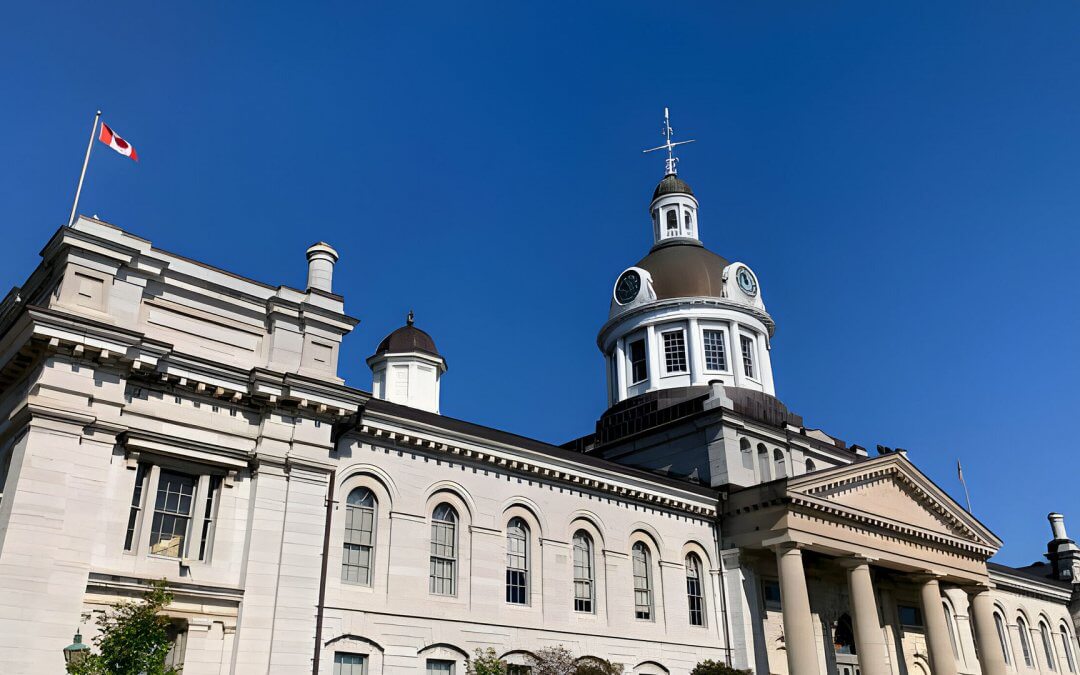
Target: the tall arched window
(950, 622)
(643, 595)
(517, 562)
(688, 219)
(844, 636)
(356, 556)
(1003, 638)
(780, 464)
(810, 466)
(583, 572)
(672, 222)
(443, 576)
(1066, 646)
(763, 464)
(694, 596)
(1048, 646)
(1025, 641)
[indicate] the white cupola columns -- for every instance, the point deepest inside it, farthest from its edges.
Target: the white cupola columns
(674, 216)
(321, 258)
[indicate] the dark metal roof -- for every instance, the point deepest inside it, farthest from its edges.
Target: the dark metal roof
(408, 338)
(453, 425)
(1038, 571)
(683, 268)
(671, 184)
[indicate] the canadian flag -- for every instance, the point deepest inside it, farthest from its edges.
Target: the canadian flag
(109, 138)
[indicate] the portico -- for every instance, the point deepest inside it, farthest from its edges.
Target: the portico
(880, 540)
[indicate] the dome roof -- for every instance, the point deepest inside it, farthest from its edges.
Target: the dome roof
(683, 268)
(671, 184)
(406, 339)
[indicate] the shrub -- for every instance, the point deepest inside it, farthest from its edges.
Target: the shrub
(486, 662)
(711, 667)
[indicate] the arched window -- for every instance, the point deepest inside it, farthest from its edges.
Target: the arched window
(688, 219)
(844, 636)
(695, 598)
(1025, 641)
(672, 222)
(1048, 646)
(950, 622)
(356, 556)
(583, 572)
(443, 576)
(810, 466)
(763, 464)
(643, 595)
(517, 562)
(1003, 638)
(781, 466)
(1066, 646)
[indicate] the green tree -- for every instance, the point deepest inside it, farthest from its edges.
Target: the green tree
(133, 638)
(593, 666)
(711, 667)
(486, 662)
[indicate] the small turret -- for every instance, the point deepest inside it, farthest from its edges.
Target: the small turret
(406, 368)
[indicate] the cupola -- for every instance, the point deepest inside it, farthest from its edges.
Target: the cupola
(684, 317)
(406, 368)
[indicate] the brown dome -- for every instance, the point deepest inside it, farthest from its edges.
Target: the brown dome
(683, 268)
(406, 339)
(671, 184)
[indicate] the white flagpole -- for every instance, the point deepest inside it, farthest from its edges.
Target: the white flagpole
(86, 161)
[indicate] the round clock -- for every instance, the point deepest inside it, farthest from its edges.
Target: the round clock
(627, 287)
(746, 280)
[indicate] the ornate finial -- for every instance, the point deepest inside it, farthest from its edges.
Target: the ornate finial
(672, 160)
(410, 318)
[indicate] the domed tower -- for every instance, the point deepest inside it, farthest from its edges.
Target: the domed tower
(683, 316)
(406, 368)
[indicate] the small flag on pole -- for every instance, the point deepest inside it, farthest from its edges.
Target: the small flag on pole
(111, 139)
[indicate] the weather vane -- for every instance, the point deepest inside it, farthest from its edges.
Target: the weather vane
(672, 160)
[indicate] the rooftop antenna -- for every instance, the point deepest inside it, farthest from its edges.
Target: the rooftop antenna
(672, 160)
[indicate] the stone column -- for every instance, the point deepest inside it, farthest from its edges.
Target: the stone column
(942, 656)
(982, 610)
(802, 651)
(869, 637)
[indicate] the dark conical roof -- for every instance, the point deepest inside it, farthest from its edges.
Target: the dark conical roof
(671, 184)
(406, 339)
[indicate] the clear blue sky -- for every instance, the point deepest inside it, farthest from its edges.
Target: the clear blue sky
(904, 180)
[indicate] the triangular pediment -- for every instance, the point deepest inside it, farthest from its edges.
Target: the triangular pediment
(890, 491)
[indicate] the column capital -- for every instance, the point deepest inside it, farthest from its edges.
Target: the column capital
(977, 588)
(926, 577)
(855, 560)
(787, 547)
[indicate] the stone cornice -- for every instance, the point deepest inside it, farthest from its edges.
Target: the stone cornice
(510, 460)
(1024, 585)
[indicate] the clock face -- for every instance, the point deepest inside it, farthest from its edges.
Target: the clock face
(627, 287)
(747, 282)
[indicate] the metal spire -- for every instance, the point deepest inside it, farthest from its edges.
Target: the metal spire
(672, 160)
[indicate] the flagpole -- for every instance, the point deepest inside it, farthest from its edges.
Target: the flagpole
(960, 475)
(86, 161)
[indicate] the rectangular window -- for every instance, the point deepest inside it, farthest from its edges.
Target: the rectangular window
(437, 667)
(910, 616)
(209, 517)
(770, 594)
(639, 370)
(695, 601)
(172, 514)
(715, 350)
(359, 543)
(136, 508)
(513, 669)
(349, 664)
(674, 352)
(747, 345)
(443, 558)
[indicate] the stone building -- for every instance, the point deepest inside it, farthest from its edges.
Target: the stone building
(165, 419)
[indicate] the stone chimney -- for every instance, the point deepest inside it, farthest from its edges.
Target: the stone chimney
(320, 275)
(1063, 553)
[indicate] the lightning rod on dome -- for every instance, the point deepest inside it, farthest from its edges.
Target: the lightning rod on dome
(672, 160)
